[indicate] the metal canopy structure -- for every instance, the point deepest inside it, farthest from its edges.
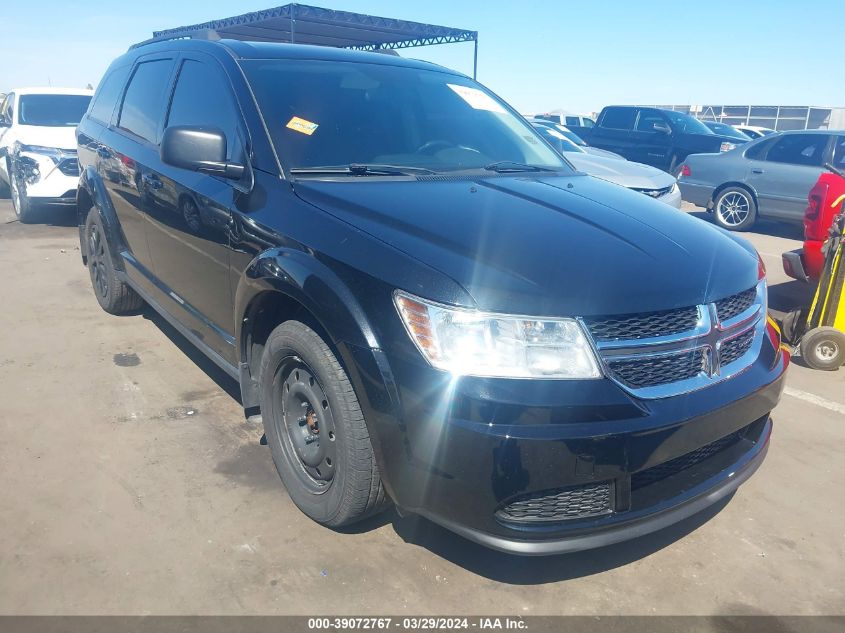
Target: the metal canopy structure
(304, 24)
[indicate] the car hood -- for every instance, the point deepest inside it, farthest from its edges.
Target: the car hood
(626, 173)
(595, 151)
(60, 137)
(552, 245)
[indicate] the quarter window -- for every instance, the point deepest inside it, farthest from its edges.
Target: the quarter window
(143, 105)
(799, 149)
(108, 93)
(203, 97)
(619, 118)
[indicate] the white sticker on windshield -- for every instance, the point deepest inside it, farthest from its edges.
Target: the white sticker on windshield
(477, 99)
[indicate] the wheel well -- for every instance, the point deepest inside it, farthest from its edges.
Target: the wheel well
(265, 312)
(83, 205)
(739, 185)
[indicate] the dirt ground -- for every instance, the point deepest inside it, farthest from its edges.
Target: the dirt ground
(130, 484)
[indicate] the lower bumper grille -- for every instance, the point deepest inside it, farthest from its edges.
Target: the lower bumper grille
(684, 462)
(577, 502)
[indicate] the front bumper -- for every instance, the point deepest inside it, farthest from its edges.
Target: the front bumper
(46, 181)
(462, 451)
(673, 198)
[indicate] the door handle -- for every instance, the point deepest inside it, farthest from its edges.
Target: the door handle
(756, 171)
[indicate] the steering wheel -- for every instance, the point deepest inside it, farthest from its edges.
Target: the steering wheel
(431, 146)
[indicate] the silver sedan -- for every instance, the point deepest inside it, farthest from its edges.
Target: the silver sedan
(769, 177)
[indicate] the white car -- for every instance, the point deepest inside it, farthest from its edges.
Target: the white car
(38, 145)
(754, 131)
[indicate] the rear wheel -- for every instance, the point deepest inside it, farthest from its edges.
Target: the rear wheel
(823, 348)
(113, 294)
(315, 429)
(735, 209)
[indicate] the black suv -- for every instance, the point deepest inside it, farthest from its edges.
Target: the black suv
(423, 301)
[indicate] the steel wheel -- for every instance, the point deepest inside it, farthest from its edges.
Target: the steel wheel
(734, 209)
(97, 261)
(306, 424)
(826, 351)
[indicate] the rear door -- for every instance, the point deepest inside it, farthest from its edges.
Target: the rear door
(614, 130)
(190, 214)
(784, 176)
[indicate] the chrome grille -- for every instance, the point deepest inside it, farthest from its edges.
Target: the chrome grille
(643, 325)
(735, 305)
(577, 502)
(658, 370)
(654, 193)
(659, 354)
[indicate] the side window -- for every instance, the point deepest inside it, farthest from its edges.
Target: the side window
(619, 118)
(203, 97)
(143, 105)
(647, 120)
(757, 150)
(839, 152)
(799, 149)
(108, 94)
(572, 120)
(589, 123)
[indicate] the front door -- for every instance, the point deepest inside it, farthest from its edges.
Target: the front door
(190, 212)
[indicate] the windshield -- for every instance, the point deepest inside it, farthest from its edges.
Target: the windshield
(686, 124)
(52, 110)
(338, 113)
(726, 130)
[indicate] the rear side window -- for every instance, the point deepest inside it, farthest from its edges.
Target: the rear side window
(839, 152)
(203, 97)
(108, 93)
(647, 120)
(143, 105)
(799, 149)
(619, 118)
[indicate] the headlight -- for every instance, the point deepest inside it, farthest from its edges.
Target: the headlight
(53, 153)
(473, 343)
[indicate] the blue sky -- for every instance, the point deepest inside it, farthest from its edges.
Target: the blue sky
(539, 55)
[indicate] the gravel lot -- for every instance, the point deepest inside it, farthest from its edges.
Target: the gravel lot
(132, 485)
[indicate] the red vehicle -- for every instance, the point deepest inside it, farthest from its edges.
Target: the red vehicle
(824, 201)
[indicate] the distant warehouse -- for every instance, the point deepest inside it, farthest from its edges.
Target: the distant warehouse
(774, 117)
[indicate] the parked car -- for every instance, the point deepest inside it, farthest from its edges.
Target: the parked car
(727, 130)
(660, 138)
(390, 224)
(824, 202)
(753, 131)
(768, 177)
(37, 146)
(636, 176)
(570, 120)
(568, 135)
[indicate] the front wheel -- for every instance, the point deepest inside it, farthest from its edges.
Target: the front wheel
(20, 201)
(823, 348)
(315, 429)
(735, 209)
(114, 295)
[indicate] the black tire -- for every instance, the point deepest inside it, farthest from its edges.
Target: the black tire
(113, 295)
(735, 209)
(21, 203)
(823, 348)
(315, 429)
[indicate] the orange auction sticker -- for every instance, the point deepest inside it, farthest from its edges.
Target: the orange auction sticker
(301, 125)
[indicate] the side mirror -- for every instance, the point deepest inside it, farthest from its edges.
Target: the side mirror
(200, 149)
(661, 127)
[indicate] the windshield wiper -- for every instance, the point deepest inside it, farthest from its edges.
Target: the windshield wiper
(504, 166)
(362, 169)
